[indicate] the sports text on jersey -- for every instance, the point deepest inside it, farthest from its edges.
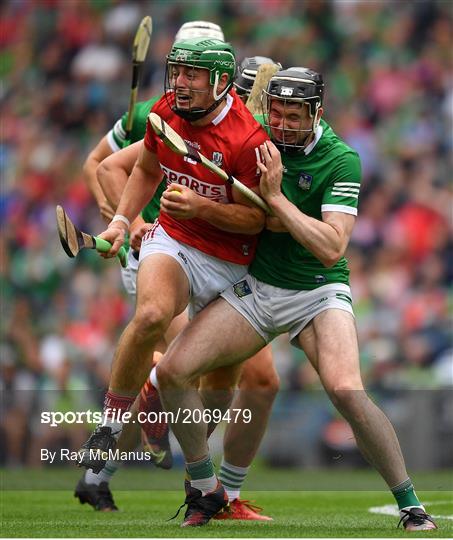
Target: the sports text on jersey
(213, 192)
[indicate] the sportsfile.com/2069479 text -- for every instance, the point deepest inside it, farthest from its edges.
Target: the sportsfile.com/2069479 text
(185, 416)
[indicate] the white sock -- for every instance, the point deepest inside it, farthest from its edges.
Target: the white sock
(105, 475)
(205, 485)
(153, 378)
(232, 494)
(115, 425)
(409, 507)
(232, 478)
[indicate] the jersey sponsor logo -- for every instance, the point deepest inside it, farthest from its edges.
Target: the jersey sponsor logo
(217, 158)
(210, 191)
(242, 288)
(305, 181)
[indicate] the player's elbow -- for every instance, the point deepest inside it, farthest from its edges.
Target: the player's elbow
(89, 165)
(103, 173)
(330, 257)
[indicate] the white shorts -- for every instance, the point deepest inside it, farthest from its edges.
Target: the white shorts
(273, 311)
(129, 274)
(208, 276)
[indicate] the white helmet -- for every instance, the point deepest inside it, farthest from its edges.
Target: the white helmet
(199, 29)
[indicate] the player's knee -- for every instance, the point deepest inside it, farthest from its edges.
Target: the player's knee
(150, 322)
(349, 399)
(262, 381)
(168, 376)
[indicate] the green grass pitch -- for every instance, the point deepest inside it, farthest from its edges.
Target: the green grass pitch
(143, 513)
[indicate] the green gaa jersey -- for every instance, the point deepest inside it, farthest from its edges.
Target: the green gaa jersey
(326, 179)
(117, 140)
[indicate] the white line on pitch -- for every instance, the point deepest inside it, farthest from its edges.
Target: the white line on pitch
(392, 509)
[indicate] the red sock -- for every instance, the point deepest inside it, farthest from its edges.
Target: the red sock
(149, 402)
(115, 403)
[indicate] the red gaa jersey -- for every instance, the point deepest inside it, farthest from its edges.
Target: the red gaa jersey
(232, 142)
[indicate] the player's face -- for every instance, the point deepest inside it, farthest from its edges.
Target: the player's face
(290, 122)
(191, 86)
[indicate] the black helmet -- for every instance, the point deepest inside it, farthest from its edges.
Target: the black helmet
(298, 84)
(247, 72)
(295, 85)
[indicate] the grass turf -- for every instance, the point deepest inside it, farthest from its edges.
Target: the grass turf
(144, 513)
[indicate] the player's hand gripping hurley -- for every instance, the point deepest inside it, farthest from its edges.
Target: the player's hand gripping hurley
(73, 240)
(176, 143)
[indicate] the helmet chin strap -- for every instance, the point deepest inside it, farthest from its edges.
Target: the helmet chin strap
(195, 114)
(216, 84)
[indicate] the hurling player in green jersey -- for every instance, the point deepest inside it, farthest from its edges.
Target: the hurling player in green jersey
(297, 284)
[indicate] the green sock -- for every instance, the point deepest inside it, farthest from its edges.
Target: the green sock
(232, 478)
(202, 475)
(200, 469)
(405, 495)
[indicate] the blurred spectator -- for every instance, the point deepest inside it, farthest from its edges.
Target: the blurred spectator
(66, 72)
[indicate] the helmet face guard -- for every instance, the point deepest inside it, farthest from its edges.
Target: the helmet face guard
(297, 89)
(201, 53)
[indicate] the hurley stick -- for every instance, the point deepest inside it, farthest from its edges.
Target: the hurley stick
(73, 240)
(176, 143)
(140, 48)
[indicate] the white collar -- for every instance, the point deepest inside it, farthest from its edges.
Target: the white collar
(224, 111)
(318, 134)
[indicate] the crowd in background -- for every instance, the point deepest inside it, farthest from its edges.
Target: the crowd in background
(66, 71)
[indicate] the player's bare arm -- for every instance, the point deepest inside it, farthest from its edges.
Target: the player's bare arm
(140, 187)
(239, 217)
(113, 172)
(112, 175)
(95, 157)
(274, 224)
(326, 239)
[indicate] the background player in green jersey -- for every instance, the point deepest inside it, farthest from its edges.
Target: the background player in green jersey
(298, 283)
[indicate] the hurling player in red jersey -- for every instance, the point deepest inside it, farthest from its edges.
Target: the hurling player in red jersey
(257, 386)
(205, 236)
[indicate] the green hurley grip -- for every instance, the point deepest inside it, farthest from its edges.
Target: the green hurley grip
(122, 256)
(104, 246)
